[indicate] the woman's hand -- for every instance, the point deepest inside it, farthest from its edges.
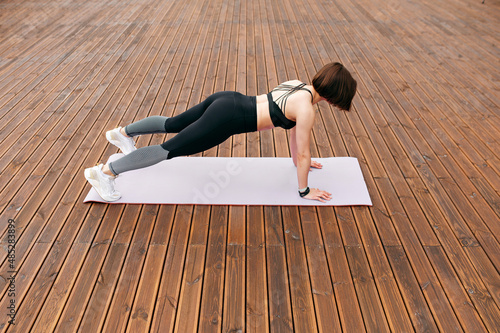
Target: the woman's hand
(316, 194)
(316, 165)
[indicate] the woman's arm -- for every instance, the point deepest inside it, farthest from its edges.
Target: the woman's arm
(302, 134)
(293, 145)
(293, 150)
(302, 159)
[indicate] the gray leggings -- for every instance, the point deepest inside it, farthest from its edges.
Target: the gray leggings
(149, 125)
(146, 156)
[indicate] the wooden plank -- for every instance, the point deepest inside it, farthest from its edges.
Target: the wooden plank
(257, 313)
(92, 270)
(321, 282)
(459, 82)
(59, 293)
(187, 315)
(389, 53)
(298, 273)
(439, 169)
(277, 277)
(386, 277)
(168, 293)
(53, 261)
(373, 315)
(484, 268)
(134, 244)
(145, 296)
(234, 293)
(28, 148)
(487, 238)
(137, 321)
(18, 285)
(92, 316)
(88, 261)
(16, 116)
(468, 316)
(349, 310)
(417, 308)
(31, 93)
(277, 284)
(280, 311)
(213, 283)
(42, 48)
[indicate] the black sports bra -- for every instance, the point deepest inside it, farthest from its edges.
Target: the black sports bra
(277, 112)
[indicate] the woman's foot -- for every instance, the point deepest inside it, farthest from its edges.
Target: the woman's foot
(125, 143)
(102, 183)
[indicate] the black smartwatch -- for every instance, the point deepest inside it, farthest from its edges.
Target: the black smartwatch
(304, 192)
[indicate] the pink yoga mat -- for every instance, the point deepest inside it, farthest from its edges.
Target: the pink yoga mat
(238, 181)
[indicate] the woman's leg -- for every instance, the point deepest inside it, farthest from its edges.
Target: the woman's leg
(138, 159)
(149, 125)
(161, 124)
(217, 123)
(177, 123)
(122, 137)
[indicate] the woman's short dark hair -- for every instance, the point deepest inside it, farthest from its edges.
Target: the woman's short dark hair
(334, 83)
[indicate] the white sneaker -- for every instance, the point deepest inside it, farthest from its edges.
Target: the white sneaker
(126, 144)
(102, 183)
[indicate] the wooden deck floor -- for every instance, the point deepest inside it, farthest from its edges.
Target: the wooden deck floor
(425, 127)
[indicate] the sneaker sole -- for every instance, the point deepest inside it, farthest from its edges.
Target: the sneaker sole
(95, 185)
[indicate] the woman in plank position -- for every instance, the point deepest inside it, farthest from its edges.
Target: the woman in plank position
(223, 114)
